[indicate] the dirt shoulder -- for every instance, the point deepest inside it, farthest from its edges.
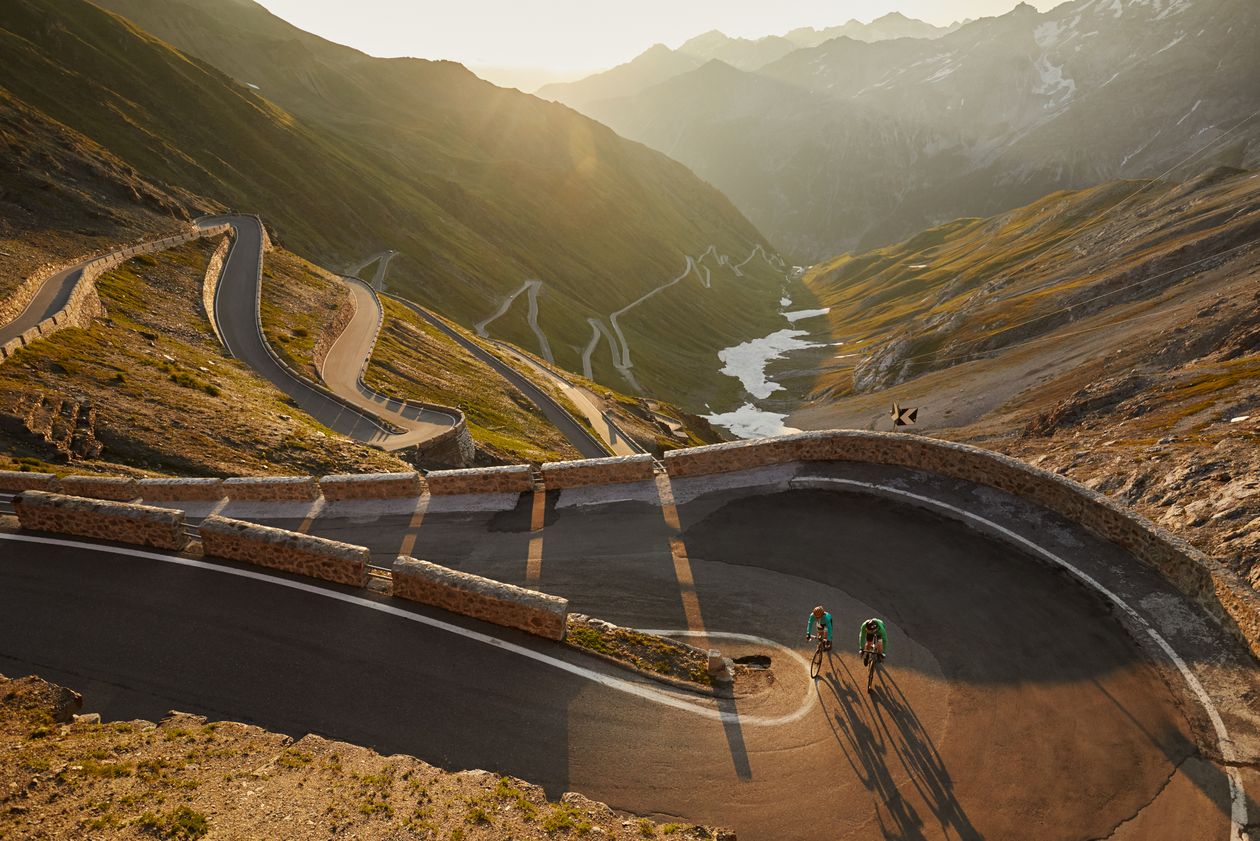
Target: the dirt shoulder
(187, 778)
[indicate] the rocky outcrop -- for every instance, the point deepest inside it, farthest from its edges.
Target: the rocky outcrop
(66, 425)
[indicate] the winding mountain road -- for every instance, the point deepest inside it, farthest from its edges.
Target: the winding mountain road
(236, 309)
(49, 299)
(343, 367)
(1025, 697)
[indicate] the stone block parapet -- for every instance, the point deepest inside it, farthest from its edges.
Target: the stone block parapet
(174, 490)
(121, 522)
(481, 598)
(271, 488)
(598, 471)
(117, 488)
(517, 478)
(289, 551)
(15, 481)
(84, 304)
(210, 285)
(1220, 592)
(372, 486)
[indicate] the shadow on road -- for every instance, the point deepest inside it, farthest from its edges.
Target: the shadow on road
(735, 738)
(879, 731)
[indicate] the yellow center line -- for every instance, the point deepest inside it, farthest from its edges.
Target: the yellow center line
(682, 563)
(537, 519)
(409, 539)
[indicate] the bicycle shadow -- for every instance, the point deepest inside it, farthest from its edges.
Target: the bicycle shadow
(876, 732)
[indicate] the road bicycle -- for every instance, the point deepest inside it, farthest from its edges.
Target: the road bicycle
(870, 659)
(816, 665)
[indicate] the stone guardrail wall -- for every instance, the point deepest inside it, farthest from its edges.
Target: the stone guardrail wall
(458, 437)
(169, 490)
(116, 488)
(598, 471)
(1224, 595)
(517, 478)
(16, 481)
(271, 488)
(143, 525)
(210, 286)
(372, 486)
(288, 551)
(84, 304)
(481, 598)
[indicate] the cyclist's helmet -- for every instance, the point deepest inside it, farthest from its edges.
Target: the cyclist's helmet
(818, 610)
(872, 625)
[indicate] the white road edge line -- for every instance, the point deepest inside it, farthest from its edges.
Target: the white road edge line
(1238, 797)
(630, 688)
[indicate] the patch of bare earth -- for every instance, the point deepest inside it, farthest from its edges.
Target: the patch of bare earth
(187, 778)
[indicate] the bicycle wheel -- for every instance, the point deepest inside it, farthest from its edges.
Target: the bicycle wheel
(872, 662)
(816, 665)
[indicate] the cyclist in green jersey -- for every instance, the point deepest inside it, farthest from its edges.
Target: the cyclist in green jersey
(873, 633)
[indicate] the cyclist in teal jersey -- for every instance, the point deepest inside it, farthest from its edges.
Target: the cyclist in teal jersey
(820, 619)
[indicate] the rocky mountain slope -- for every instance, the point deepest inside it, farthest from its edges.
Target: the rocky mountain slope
(659, 63)
(62, 196)
(859, 144)
(478, 187)
(64, 774)
(1112, 334)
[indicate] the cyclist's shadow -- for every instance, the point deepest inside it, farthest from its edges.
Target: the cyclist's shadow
(870, 728)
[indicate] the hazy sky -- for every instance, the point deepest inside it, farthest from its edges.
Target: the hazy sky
(583, 34)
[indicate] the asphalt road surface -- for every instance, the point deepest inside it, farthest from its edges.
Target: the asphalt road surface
(236, 311)
(345, 361)
(1016, 703)
(49, 300)
(573, 431)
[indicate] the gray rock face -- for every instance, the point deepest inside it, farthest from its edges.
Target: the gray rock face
(850, 145)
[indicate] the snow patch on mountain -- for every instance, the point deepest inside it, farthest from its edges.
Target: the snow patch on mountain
(1053, 82)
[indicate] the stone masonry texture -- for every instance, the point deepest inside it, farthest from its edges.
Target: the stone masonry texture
(271, 488)
(167, 490)
(117, 488)
(513, 479)
(15, 481)
(598, 471)
(372, 486)
(471, 595)
(288, 551)
(121, 522)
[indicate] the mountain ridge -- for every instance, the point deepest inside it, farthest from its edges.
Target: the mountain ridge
(479, 187)
(898, 135)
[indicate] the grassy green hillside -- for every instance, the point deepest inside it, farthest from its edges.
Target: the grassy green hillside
(343, 155)
(968, 289)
